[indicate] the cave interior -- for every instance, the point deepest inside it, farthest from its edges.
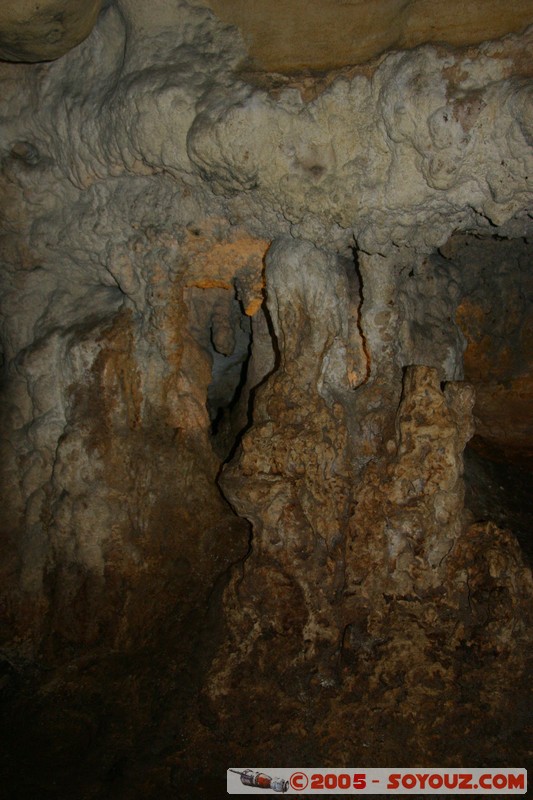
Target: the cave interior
(266, 352)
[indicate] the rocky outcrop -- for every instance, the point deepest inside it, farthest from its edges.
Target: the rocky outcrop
(332, 34)
(363, 589)
(31, 31)
(329, 35)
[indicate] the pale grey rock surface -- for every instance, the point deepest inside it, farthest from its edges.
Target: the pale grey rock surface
(428, 144)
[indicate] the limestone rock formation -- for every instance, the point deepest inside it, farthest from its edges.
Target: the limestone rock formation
(237, 313)
(407, 160)
(44, 30)
(330, 34)
(333, 33)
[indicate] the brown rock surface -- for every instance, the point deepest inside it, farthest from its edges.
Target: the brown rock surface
(361, 591)
(496, 317)
(286, 37)
(41, 30)
(292, 35)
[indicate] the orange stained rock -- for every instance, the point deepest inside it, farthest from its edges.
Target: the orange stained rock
(210, 283)
(216, 264)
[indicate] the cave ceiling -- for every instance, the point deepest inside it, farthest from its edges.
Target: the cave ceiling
(287, 36)
(291, 35)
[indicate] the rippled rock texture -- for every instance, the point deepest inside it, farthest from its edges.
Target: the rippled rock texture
(237, 317)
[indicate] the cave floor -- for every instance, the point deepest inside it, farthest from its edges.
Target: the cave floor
(133, 725)
(126, 727)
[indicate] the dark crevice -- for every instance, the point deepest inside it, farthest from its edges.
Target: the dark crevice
(223, 416)
(500, 492)
(226, 387)
(222, 412)
(253, 391)
(494, 314)
(249, 422)
(358, 318)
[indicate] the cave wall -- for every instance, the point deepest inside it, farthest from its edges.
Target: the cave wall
(325, 35)
(236, 316)
(45, 30)
(331, 33)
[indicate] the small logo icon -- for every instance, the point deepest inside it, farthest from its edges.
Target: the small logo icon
(262, 781)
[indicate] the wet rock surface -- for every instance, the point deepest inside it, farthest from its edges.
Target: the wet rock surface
(247, 333)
